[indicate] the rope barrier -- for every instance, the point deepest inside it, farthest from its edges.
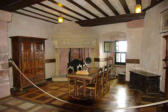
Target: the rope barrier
(123, 108)
(36, 85)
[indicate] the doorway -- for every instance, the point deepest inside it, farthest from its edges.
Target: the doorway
(166, 66)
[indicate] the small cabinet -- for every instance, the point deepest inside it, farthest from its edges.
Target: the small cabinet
(29, 55)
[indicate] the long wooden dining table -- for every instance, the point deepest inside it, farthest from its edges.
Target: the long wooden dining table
(84, 79)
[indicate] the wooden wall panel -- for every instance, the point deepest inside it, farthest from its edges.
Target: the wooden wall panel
(133, 61)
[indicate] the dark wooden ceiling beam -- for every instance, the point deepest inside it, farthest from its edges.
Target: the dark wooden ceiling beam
(153, 2)
(82, 8)
(8, 3)
(11, 3)
(67, 8)
(59, 11)
(111, 20)
(21, 4)
(138, 2)
(39, 14)
(152, 5)
(125, 6)
(34, 17)
(111, 7)
(35, 8)
(96, 7)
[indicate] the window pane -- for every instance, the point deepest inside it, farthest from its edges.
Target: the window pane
(117, 46)
(117, 57)
(121, 46)
(123, 57)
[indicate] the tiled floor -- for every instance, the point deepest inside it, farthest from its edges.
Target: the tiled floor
(12, 104)
(120, 95)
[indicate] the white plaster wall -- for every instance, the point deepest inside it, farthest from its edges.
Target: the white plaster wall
(109, 33)
(74, 36)
(26, 26)
(152, 42)
(134, 48)
(133, 37)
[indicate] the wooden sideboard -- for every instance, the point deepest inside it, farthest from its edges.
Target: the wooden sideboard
(144, 81)
(28, 54)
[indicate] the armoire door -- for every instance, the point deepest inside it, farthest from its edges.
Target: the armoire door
(39, 61)
(27, 61)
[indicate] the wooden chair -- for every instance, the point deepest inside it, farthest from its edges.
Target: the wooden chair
(93, 86)
(106, 82)
(100, 82)
(73, 84)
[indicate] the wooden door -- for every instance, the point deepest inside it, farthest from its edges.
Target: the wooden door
(166, 66)
(166, 73)
(27, 61)
(39, 70)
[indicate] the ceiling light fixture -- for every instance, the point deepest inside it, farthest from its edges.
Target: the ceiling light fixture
(60, 19)
(59, 4)
(138, 8)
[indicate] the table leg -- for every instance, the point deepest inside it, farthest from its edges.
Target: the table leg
(75, 88)
(84, 87)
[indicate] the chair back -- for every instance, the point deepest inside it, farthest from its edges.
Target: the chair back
(93, 69)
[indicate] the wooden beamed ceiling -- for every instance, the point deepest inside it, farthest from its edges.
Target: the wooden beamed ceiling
(96, 7)
(111, 19)
(83, 12)
(111, 7)
(125, 6)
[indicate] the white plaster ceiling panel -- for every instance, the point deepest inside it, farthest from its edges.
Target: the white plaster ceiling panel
(131, 5)
(61, 9)
(51, 11)
(117, 5)
(103, 6)
(39, 12)
(145, 3)
(25, 12)
(89, 7)
(75, 8)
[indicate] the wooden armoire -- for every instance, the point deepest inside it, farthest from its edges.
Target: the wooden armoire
(29, 55)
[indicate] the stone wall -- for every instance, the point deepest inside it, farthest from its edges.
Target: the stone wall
(5, 17)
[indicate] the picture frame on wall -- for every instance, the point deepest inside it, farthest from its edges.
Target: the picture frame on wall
(108, 46)
(164, 21)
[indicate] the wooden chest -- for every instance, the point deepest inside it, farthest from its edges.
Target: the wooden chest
(144, 81)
